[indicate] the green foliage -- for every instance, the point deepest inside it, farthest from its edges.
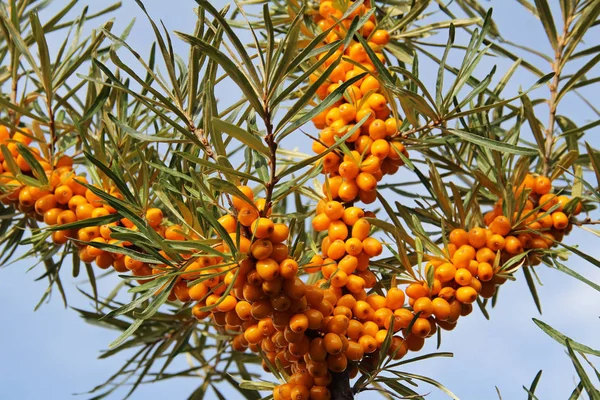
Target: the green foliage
(165, 139)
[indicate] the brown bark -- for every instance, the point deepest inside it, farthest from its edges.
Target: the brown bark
(340, 386)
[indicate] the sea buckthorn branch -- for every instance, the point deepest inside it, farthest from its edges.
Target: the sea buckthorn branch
(481, 261)
(239, 273)
(557, 65)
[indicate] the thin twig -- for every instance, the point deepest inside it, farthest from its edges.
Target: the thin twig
(273, 178)
(587, 221)
(552, 102)
(199, 133)
(430, 125)
(52, 128)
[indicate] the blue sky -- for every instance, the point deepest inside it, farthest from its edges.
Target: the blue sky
(52, 353)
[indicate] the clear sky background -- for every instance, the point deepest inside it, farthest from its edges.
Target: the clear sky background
(52, 353)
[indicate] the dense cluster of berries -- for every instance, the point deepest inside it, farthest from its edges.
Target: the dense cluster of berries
(540, 223)
(66, 199)
(372, 149)
(313, 330)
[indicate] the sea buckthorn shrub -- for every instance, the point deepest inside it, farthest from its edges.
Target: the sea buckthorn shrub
(316, 306)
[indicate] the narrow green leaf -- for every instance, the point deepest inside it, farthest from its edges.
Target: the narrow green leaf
(235, 39)
(587, 383)
(242, 135)
(576, 76)
(534, 124)
(532, 288)
(329, 100)
(564, 163)
(44, 55)
(581, 254)
(35, 165)
(424, 31)
(233, 70)
(492, 144)
(439, 86)
(257, 385)
(431, 382)
(311, 160)
(563, 268)
(587, 17)
(530, 395)
(594, 160)
(548, 21)
(98, 221)
(562, 339)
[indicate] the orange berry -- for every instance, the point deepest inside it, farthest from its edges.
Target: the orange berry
(268, 269)
(377, 102)
(45, 203)
(298, 323)
(84, 211)
(485, 272)
(321, 222)
(280, 233)
(421, 327)
(513, 245)
(543, 185)
(352, 215)
(51, 216)
(463, 256)
(337, 230)
(500, 225)
(377, 129)
(372, 247)
(459, 237)
(336, 250)
(463, 276)
(560, 220)
(423, 305)
(66, 217)
(477, 237)
(369, 84)
(357, 52)
(246, 216)
(380, 148)
(348, 190)
(380, 37)
(547, 201)
(445, 272)
(363, 144)
(348, 264)
(441, 308)
(495, 242)
(361, 229)
(333, 343)
(366, 181)
(173, 232)
(353, 246)
(261, 249)
(395, 298)
(368, 343)
(485, 255)
(355, 283)
(466, 294)
(348, 170)
(262, 228)
(418, 290)
(238, 202)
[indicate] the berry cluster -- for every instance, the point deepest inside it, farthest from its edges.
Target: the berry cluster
(66, 199)
(372, 150)
(332, 324)
(540, 223)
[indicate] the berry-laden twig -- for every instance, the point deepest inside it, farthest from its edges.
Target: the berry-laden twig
(315, 336)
